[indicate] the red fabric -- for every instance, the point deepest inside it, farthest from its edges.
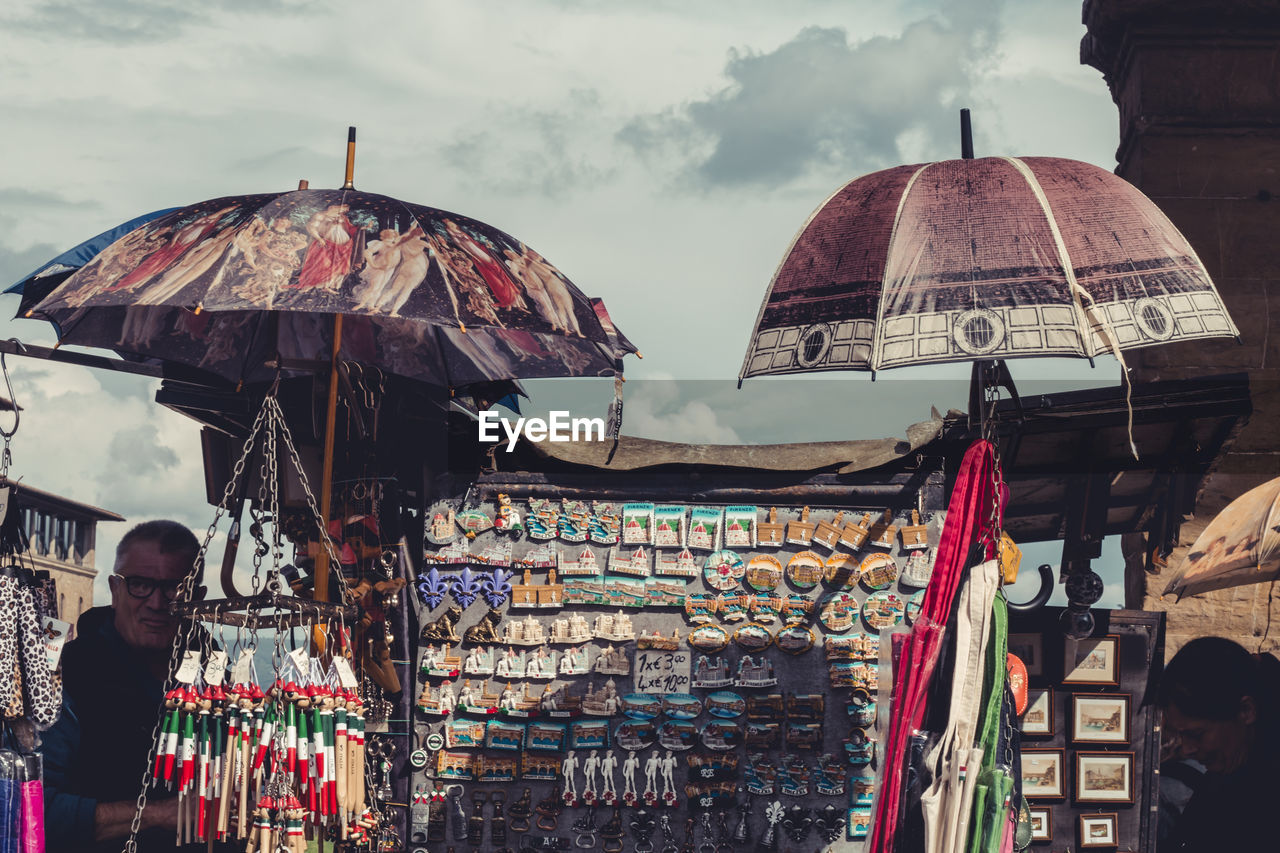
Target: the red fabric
(326, 258)
(969, 520)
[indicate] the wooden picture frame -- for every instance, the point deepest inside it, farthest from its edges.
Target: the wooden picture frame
(1041, 818)
(1093, 660)
(1029, 648)
(1100, 718)
(1099, 831)
(1043, 772)
(1037, 720)
(1104, 777)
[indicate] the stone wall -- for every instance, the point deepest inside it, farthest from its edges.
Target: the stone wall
(1197, 86)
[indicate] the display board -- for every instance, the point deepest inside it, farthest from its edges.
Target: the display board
(1090, 739)
(619, 675)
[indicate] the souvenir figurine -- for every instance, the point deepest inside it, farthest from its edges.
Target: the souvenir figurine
(629, 765)
(613, 661)
(485, 631)
(616, 627)
(590, 767)
(773, 816)
(507, 520)
(651, 766)
(442, 630)
(827, 533)
(608, 764)
(569, 767)
(668, 779)
(479, 661)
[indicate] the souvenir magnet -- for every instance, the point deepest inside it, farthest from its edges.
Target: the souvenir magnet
(740, 527)
(651, 765)
(668, 526)
(767, 707)
(659, 642)
(473, 522)
(915, 603)
(861, 708)
(802, 735)
(573, 661)
(608, 766)
(613, 660)
(712, 671)
(681, 706)
(878, 571)
(681, 564)
(884, 532)
(635, 735)
(665, 592)
(496, 586)
(626, 592)
(463, 734)
(882, 609)
(432, 587)
(725, 704)
(863, 783)
(765, 608)
(827, 533)
(721, 735)
(919, 568)
(589, 734)
(442, 528)
(634, 562)
(760, 735)
(794, 639)
(523, 632)
(793, 781)
(838, 612)
(858, 747)
(700, 608)
(545, 737)
(796, 609)
(829, 821)
(499, 735)
(771, 533)
(755, 672)
(915, 535)
(570, 629)
(753, 637)
(704, 529)
(455, 553)
(605, 523)
(859, 823)
(637, 524)
(479, 661)
(732, 607)
(708, 638)
(495, 554)
(763, 572)
(507, 519)
(616, 627)
(455, 766)
(759, 775)
(641, 706)
(677, 735)
(465, 587)
(583, 563)
(575, 519)
(629, 765)
(805, 570)
(855, 533)
(603, 701)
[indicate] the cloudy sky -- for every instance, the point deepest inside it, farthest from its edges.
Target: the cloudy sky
(662, 154)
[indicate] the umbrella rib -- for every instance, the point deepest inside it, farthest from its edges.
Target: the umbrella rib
(884, 275)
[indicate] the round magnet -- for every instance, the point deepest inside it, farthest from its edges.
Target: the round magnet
(725, 704)
(838, 612)
(708, 638)
(764, 572)
(677, 735)
(878, 571)
(634, 735)
(681, 706)
(723, 570)
(794, 639)
(753, 637)
(882, 609)
(721, 735)
(805, 570)
(641, 706)
(840, 571)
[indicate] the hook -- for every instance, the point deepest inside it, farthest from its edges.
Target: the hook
(13, 398)
(1040, 598)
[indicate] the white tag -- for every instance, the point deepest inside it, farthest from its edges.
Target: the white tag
(302, 661)
(4, 503)
(53, 632)
(190, 666)
(240, 672)
(216, 669)
(346, 677)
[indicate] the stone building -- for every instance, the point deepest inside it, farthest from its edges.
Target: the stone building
(1197, 86)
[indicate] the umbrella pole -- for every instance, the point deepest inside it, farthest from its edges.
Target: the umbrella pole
(326, 477)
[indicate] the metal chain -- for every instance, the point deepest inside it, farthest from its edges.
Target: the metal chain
(184, 596)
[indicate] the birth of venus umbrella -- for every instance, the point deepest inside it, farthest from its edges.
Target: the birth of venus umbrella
(989, 258)
(1241, 545)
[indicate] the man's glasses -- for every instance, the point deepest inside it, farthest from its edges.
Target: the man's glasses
(140, 587)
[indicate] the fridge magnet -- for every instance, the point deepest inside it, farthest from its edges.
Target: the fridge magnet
(540, 665)
(765, 609)
(604, 524)
(759, 775)
(432, 587)
(679, 564)
(615, 627)
(919, 568)
(678, 735)
(732, 606)
(829, 780)
(700, 608)
(495, 554)
(711, 672)
(589, 734)
(681, 706)
(535, 768)
(499, 769)
(915, 535)
(637, 524)
(843, 673)
(579, 591)
(665, 592)
(507, 520)
(668, 526)
(708, 638)
(525, 593)
(859, 823)
(442, 529)
(859, 747)
(882, 609)
(473, 522)
(625, 592)
(855, 533)
(510, 664)
(796, 609)
(740, 527)
(771, 533)
(840, 571)
(761, 735)
(479, 661)
(914, 606)
(763, 573)
(574, 661)
(794, 639)
(473, 699)
(634, 562)
(601, 701)
(805, 570)
(658, 641)
(800, 531)
(505, 736)
(575, 518)
(613, 660)
(827, 533)
(704, 529)
(838, 612)
(864, 787)
(884, 532)
(753, 672)
(641, 706)
(802, 735)
(454, 554)
(723, 570)
(712, 768)
(635, 735)
(455, 766)
(570, 629)
(581, 564)
(854, 647)
(543, 519)
(463, 734)
(753, 637)
(769, 706)
(437, 661)
(545, 737)
(806, 706)
(523, 632)
(878, 571)
(861, 708)
(721, 735)
(725, 704)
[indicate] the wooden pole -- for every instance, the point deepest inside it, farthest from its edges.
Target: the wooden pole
(326, 483)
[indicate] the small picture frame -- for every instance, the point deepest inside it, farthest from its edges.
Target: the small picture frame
(1037, 720)
(1093, 660)
(1098, 831)
(1030, 650)
(1104, 777)
(1100, 718)
(1043, 773)
(1041, 819)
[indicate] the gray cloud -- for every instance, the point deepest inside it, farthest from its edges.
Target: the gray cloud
(134, 21)
(820, 100)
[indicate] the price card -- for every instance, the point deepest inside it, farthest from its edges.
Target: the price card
(660, 672)
(302, 661)
(346, 676)
(54, 633)
(216, 669)
(240, 673)
(189, 667)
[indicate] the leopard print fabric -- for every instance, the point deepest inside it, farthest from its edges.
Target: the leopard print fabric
(34, 691)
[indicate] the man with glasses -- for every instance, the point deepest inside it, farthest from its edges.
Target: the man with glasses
(113, 685)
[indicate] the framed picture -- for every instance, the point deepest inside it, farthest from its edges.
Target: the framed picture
(1042, 774)
(1041, 823)
(1104, 777)
(1100, 717)
(1099, 830)
(1037, 721)
(1093, 660)
(1030, 650)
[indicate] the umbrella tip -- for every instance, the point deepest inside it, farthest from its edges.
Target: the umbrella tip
(463, 327)
(639, 355)
(28, 314)
(966, 135)
(303, 184)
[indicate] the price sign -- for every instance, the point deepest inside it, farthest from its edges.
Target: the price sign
(660, 673)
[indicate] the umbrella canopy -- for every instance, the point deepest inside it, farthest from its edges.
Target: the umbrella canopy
(228, 284)
(999, 257)
(1240, 546)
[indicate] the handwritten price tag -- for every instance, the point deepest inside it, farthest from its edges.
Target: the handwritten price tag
(660, 673)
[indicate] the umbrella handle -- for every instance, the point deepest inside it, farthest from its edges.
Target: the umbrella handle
(1041, 598)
